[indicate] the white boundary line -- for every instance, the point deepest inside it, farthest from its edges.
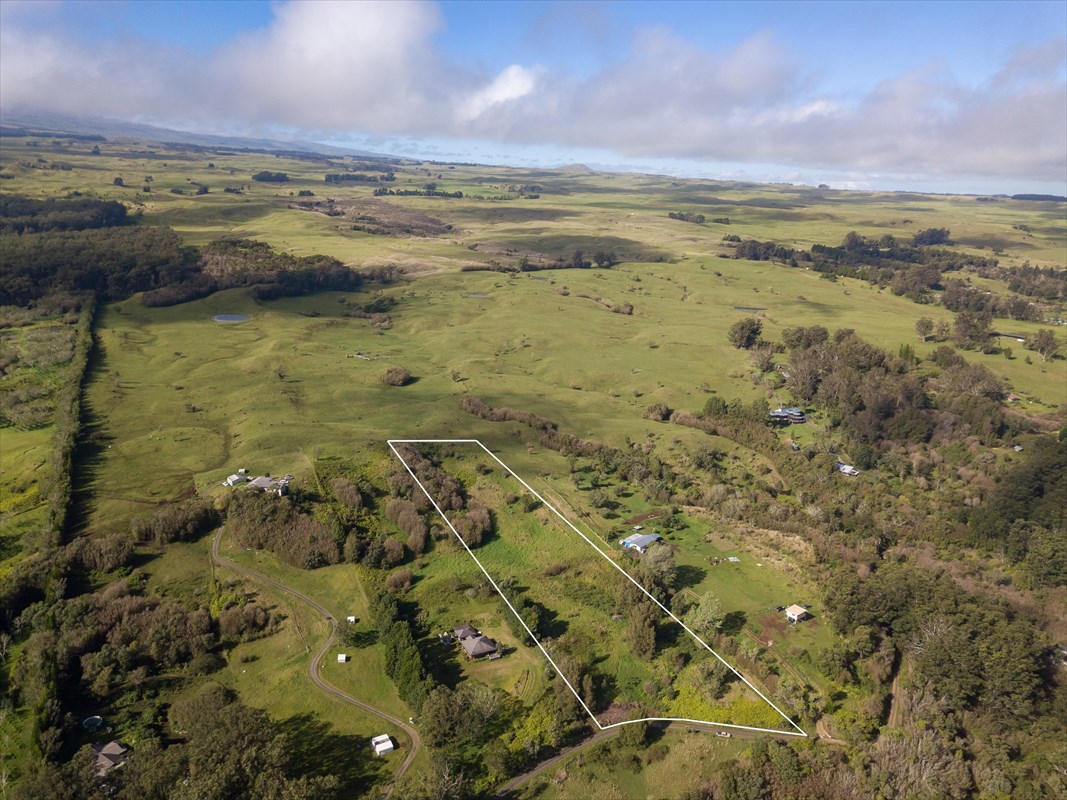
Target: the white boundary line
(391, 442)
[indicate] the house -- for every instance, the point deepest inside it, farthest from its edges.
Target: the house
(848, 469)
(796, 613)
(234, 480)
(265, 483)
(478, 646)
(108, 756)
(788, 415)
(382, 744)
(640, 541)
(465, 632)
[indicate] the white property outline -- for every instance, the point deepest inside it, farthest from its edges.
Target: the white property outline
(391, 442)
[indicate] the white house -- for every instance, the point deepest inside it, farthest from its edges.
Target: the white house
(640, 541)
(382, 744)
(796, 613)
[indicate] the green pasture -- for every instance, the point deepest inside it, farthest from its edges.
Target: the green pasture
(271, 672)
(675, 763)
(579, 601)
(576, 209)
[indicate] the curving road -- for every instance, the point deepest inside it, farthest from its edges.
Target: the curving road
(316, 660)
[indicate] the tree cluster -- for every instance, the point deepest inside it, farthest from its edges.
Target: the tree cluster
(265, 522)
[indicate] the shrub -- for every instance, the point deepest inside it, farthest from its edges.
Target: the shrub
(399, 579)
(396, 376)
(347, 493)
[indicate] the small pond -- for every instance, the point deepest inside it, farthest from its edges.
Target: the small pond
(230, 318)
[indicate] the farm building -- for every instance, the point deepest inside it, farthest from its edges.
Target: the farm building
(265, 483)
(465, 632)
(478, 646)
(640, 541)
(796, 613)
(108, 756)
(382, 744)
(234, 480)
(848, 469)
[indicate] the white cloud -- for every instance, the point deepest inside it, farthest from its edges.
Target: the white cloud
(513, 83)
(372, 69)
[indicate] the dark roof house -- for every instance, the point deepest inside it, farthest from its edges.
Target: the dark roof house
(465, 632)
(108, 756)
(478, 646)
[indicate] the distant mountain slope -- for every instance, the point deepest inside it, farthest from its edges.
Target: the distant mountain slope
(116, 129)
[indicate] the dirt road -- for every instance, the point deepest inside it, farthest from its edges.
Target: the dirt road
(316, 660)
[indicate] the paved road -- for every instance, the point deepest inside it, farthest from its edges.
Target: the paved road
(313, 665)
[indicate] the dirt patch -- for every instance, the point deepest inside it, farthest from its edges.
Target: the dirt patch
(371, 215)
(641, 518)
(772, 627)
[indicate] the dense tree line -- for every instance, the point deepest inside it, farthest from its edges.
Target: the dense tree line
(19, 214)
(358, 177)
(403, 661)
(266, 176)
(383, 192)
(230, 263)
(113, 263)
(264, 521)
(912, 269)
(687, 216)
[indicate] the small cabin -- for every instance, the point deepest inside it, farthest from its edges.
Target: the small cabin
(342, 658)
(382, 744)
(796, 613)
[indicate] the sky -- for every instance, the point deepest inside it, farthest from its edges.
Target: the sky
(955, 96)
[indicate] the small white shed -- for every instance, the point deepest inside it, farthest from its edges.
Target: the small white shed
(796, 613)
(342, 658)
(350, 620)
(382, 744)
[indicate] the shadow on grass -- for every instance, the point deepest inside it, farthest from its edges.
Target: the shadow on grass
(689, 575)
(315, 749)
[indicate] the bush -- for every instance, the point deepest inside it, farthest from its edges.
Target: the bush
(347, 493)
(399, 579)
(396, 376)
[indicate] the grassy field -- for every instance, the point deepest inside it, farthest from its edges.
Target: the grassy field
(614, 772)
(271, 672)
(183, 401)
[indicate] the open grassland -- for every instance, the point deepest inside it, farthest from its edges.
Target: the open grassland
(574, 208)
(271, 672)
(659, 770)
(189, 400)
